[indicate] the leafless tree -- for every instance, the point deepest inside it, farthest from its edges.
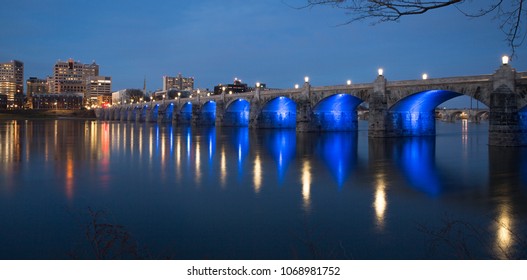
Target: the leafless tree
(511, 15)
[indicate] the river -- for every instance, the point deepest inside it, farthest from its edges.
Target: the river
(83, 189)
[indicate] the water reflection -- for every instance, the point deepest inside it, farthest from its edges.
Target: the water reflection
(87, 163)
(223, 168)
(338, 150)
(306, 185)
(464, 138)
(380, 203)
(281, 144)
(416, 158)
(239, 139)
(507, 186)
(257, 179)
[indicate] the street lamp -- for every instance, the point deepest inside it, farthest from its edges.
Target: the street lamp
(306, 79)
(257, 84)
(505, 60)
(296, 86)
(425, 76)
(348, 82)
(380, 71)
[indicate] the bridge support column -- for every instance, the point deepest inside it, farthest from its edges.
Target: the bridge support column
(254, 113)
(505, 125)
(377, 119)
(304, 111)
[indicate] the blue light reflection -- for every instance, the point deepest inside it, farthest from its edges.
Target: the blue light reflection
(240, 141)
(416, 157)
(281, 144)
(338, 150)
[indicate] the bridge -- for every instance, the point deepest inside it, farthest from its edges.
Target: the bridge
(472, 115)
(397, 108)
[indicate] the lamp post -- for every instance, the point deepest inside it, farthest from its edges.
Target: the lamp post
(505, 60)
(380, 71)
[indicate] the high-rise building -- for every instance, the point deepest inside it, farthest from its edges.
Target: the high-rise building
(70, 76)
(12, 81)
(98, 90)
(35, 85)
(178, 83)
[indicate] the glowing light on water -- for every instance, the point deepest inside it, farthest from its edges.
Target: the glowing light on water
(257, 179)
(380, 203)
(223, 167)
(306, 184)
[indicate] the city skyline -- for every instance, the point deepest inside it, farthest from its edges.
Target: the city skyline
(267, 42)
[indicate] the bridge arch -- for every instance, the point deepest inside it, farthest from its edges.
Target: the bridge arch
(454, 115)
(169, 112)
(279, 112)
(185, 113)
(207, 114)
(154, 114)
(414, 115)
(522, 115)
(237, 113)
(482, 115)
(142, 113)
(336, 113)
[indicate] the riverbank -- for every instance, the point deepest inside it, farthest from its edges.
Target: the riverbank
(47, 114)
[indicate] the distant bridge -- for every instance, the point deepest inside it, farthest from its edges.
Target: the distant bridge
(399, 108)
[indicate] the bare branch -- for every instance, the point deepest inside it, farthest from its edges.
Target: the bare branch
(510, 14)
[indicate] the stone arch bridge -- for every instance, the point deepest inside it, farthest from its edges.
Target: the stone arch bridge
(398, 108)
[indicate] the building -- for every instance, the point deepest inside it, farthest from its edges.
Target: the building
(35, 85)
(3, 101)
(64, 101)
(178, 83)
(98, 90)
(128, 96)
(235, 87)
(12, 82)
(70, 76)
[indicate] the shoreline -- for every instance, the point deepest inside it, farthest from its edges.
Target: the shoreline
(47, 114)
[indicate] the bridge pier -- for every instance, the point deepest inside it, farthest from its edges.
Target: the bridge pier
(378, 107)
(507, 126)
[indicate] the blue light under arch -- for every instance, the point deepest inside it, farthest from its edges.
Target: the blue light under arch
(337, 113)
(155, 112)
(208, 113)
(279, 112)
(185, 114)
(522, 115)
(142, 117)
(237, 113)
(169, 112)
(414, 115)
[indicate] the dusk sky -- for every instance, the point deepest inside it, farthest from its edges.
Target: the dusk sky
(265, 41)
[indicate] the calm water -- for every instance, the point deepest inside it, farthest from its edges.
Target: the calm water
(235, 193)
